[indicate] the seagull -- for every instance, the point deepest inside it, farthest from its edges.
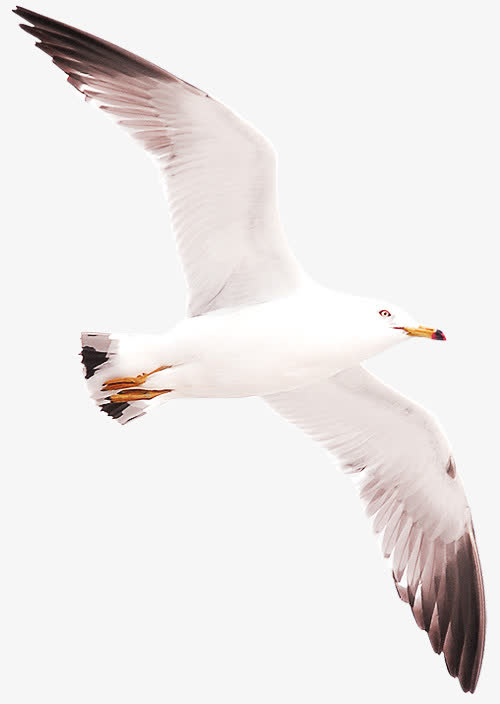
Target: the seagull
(257, 325)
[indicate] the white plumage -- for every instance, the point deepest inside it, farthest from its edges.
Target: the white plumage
(257, 325)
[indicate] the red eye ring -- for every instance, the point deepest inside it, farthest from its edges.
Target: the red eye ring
(384, 313)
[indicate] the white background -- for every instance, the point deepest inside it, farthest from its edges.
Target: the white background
(210, 552)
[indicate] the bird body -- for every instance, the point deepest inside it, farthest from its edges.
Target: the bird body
(257, 325)
(256, 350)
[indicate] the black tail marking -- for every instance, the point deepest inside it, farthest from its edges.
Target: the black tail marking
(95, 351)
(115, 410)
(92, 359)
(100, 356)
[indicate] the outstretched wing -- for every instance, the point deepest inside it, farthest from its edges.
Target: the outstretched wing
(409, 483)
(220, 172)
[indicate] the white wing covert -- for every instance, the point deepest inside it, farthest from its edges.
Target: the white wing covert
(219, 171)
(409, 484)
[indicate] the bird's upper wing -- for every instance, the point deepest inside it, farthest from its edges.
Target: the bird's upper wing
(409, 484)
(220, 172)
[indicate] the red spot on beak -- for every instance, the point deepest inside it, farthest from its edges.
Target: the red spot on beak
(438, 335)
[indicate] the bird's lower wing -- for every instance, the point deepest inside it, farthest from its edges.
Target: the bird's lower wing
(408, 481)
(219, 171)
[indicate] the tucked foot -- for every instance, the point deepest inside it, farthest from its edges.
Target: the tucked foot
(130, 381)
(128, 395)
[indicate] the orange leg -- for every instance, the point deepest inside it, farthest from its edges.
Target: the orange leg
(128, 381)
(137, 395)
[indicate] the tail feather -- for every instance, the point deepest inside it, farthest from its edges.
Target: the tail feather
(100, 354)
(95, 351)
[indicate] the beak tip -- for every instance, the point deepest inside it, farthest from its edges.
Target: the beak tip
(438, 335)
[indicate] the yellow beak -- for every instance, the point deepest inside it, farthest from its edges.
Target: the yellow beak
(433, 333)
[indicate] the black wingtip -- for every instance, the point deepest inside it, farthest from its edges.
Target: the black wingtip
(28, 16)
(28, 28)
(23, 12)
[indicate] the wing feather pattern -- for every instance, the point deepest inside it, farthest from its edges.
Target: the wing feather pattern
(410, 488)
(219, 171)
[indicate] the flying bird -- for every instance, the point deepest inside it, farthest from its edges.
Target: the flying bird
(257, 325)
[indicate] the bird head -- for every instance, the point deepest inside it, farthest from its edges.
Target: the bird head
(398, 322)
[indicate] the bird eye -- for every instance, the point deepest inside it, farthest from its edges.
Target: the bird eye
(384, 313)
